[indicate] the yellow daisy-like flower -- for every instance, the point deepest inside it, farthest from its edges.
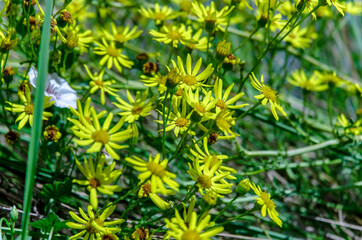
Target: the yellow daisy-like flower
(199, 43)
(191, 78)
(205, 155)
(267, 204)
(210, 16)
(157, 171)
(201, 109)
(207, 178)
(268, 95)
(177, 121)
(355, 128)
(97, 83)
(172, 34)
(154, 80)
(98, 179)
(340, 8)
(160, 15)
(146, 191)
(329, 77)
(298, 38)
(137, 107)
(75, 38)
(222, 99)
(27, 108)
(51, 133)
(299, 79)
(191, 226)
(112, 55)
(93, 226)
(122, 34)
(86, 112)
(99, 137)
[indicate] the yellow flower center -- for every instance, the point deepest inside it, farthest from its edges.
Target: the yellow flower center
(181, 122)
(222, 123)
(108, 236)
(136, 110)
(266, 198)
(94, 182)
(174, 35)
(120, 38)
(146, 189)
(156, 169)
(101, 136)
(190, 235)
(221, 104)
(98, 82)
(189, 80)
(200, 108)
(113, 52)
(269, 93)
(29, 109)
(204, 181)
(160, 16)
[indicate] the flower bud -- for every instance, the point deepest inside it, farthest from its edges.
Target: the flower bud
(12, 137)
(64, 18)
(223, 49)
(243, 187)
(14, 214)
(51, 133)
(210, 198)
(173, 78)
(8, 74)
(210, 23)
(150, 68)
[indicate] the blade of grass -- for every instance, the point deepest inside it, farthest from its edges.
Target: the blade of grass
(37, 123)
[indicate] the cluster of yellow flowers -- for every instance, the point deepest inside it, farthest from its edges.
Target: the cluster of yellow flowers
(183, 93)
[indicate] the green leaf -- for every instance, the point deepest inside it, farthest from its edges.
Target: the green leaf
(51, 221)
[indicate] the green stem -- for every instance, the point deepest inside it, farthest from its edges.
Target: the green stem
(246, 40)
(181, 142)
(249, 110)
(207, 48)
(237, 217)
(164, 124)
(330, 104)
(134, 203)
(37, 123)
(227, 205)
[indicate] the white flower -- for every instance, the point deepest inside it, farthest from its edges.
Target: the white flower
(56, 88)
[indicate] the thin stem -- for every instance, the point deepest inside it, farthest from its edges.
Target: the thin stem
(164, 124)
(249, 110)
(207, 49)
(237, 217)
(181, 142)
(330, 104)
(227, 205)
(246, 40)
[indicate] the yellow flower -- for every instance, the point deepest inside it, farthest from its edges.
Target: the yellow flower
(340, 8)
(146, 191)
(207, 178)
(355, 128)
(205, 155)
(98, 179)
(86, 113)
(27, 109)
(309, 6)
(298, 38)
(199, 43)
(157, 172)
(112, 55)
(122, 34)
(172, 34)
(201, 109)
(93, 226)
(299, 79)
(141, 234)
(137, 107)
(268, 95)
(99, 137)
(155, 80)
(224, 121)
(267, 204)
(73, 37)
(210, 16)
(353, 8)
(191, 78)
(97, 83)
(328, 77)
(222, 102)
(191, 226)
(177, 121)
(51, 133)
(158, 14)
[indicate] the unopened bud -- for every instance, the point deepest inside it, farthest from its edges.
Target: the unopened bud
(243, 187)
(14, 214)
(173, 78)
(223, 49)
